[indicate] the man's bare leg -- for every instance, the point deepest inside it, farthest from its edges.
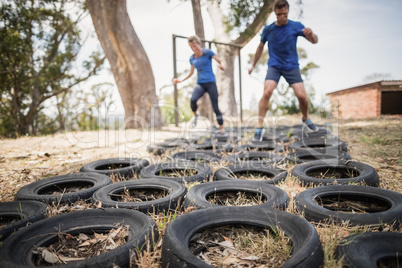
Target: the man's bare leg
(263, 106)
(301, 95)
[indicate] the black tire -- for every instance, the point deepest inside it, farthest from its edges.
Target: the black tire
(269, 137)
(125, 167)
(307, 249)
(263, 146)
(200, 155)
(204, 172)
(274, 174)
(215, 146)
(274, 197)
(23, 212)
(261, 157)
(181, 140)
(347, 170)
(386, 205)
(40, 190)
(319, 143)
(16, 250)
(164, 147)
(218, 137)
(298, 133)
(174, 195)
(368, 250)
(303, 156)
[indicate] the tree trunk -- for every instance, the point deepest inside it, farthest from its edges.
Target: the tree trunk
(129, 63)
(204, 104)
(198, 21)
(225, 79)
(226, 82)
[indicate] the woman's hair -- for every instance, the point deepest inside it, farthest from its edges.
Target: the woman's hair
(194, 38)
(281, 4)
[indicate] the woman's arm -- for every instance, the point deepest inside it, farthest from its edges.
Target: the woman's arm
(190, 73)
(215, 57)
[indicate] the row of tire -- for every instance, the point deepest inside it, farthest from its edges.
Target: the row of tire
(307, 250)
(319, 152)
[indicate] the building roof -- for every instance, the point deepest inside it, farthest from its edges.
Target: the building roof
(380, 82)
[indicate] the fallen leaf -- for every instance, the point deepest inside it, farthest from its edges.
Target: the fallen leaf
(69, 237)
(83, 237)
(111, 241)
(159, 243)
(230, 260)
(114, 232)
(226, 243)
(250, 258)
(68, 259)
(49, 257)
(189, 209)
(100, 236)
(85, 244)
(227, 239)
(93, 241)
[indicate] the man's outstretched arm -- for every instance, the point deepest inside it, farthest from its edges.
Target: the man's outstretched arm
(257, 56)
(310, 36)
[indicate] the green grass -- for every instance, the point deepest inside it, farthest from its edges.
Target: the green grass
(373, 140)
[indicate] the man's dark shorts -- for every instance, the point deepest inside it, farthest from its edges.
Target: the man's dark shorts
(291, 76)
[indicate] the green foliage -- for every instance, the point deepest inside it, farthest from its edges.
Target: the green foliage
(290, 107)
(376, 140)
(262, 62)
(242, 13)
(183, 99)
(85, 109)
(184, 108)
(38, 59)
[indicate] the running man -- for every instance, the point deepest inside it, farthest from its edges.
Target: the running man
(283, 61)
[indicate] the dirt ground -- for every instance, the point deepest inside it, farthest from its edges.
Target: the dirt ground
(377, 142)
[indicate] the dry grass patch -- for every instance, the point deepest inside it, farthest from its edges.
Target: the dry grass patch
(331, 235)
(56, 209)
(70, 248)
(177, 173)
(138, 195)
(374, 142)
(236, 198)
(241, 246)
(252, 176)
(333, 173)
(352, 204)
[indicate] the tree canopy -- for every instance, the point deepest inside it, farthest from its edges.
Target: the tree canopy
(38, 58)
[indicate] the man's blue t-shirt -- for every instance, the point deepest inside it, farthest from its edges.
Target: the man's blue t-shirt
(282, 44)
(203, 65)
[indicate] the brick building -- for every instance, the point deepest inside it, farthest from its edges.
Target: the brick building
(369, 100)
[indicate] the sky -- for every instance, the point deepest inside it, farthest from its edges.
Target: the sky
(356, 38)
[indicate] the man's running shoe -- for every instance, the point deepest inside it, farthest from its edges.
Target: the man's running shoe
(194, 124)
(258, 134)
(309, 126)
